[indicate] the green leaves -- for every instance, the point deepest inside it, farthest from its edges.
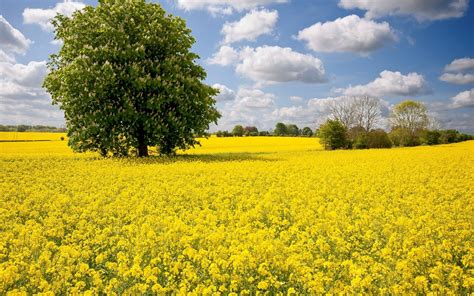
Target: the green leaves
(125, 78)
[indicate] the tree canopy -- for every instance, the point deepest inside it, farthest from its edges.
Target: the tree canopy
(410, 115)
(126, 79)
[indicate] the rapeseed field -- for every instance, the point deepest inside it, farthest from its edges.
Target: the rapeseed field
(245, 216)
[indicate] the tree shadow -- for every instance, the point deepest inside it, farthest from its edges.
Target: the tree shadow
(199, 158)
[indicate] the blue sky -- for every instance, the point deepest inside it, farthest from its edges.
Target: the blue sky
(280, 60)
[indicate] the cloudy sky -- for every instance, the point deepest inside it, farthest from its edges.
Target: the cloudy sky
(279, 60)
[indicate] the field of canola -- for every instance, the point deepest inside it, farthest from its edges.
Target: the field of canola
(238, 216)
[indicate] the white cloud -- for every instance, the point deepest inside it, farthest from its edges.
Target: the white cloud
(390, 84)
(463, 99)
(420, 9)
(225, 93)
(42, 17)
(224, 6)
(348, 34)
(274, 64)
(251, 26)
(12, 41)
(250, 107)
(254, 99)
(296, 99)
(224, 57)
(5, 57)
(30, 75)
(22, 99)
(459, 67)
(457, 78)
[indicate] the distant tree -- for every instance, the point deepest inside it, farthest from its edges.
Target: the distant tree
(307, 132)
(280, 129)
(293, 130)
(226, 134)
(344, 111)
(403, 137)
(378, 138)
(367, 112)
(238, 131)
(431, 137)
(22, 128)
(357, 136)
(410, 115)
(251, 131)
(353, 111)
(126, 78)
(333, 135)
(449, 136)
(263, 133)
(409, 120)
(219, 134)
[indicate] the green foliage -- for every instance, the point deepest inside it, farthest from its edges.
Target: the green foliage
(360, 141)
(430, 137)
(307, 132)
(281, 129)
(404, 137)
(333, 135)
(251, 131)
(125, 78)
(449, 136)
(293, 130)
(238, 131)
(21, 128)
(411, 116)
(378, 138)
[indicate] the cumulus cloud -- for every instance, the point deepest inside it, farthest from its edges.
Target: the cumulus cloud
(463, 99)
(22, 99)
(348, 34)
(420, 9)
(274, 64)
(12, 42)
(42, 17)
(460, 65)
(457, 78)
(390, 84)
(461, 71)
(248, 98)
(225, 56)
(250, 106)
(224, 6)
(251, 26)
(225, 93)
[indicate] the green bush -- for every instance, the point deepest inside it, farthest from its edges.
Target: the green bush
(430, 137)
(333, 135)
(378, 138)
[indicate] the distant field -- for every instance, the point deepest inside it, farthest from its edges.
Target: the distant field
(31, 136)
(238, 215)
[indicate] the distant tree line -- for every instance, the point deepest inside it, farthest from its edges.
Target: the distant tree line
(281, 130)
(352, 126)
(31, 128)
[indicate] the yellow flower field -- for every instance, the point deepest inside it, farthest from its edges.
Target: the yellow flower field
(238, 216)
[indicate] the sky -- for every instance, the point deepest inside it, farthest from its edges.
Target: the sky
(279, 60)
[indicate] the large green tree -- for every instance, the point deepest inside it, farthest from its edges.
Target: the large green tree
(126, 79)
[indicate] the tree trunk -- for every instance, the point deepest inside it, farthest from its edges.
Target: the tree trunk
(142, 150)
(142, 146)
